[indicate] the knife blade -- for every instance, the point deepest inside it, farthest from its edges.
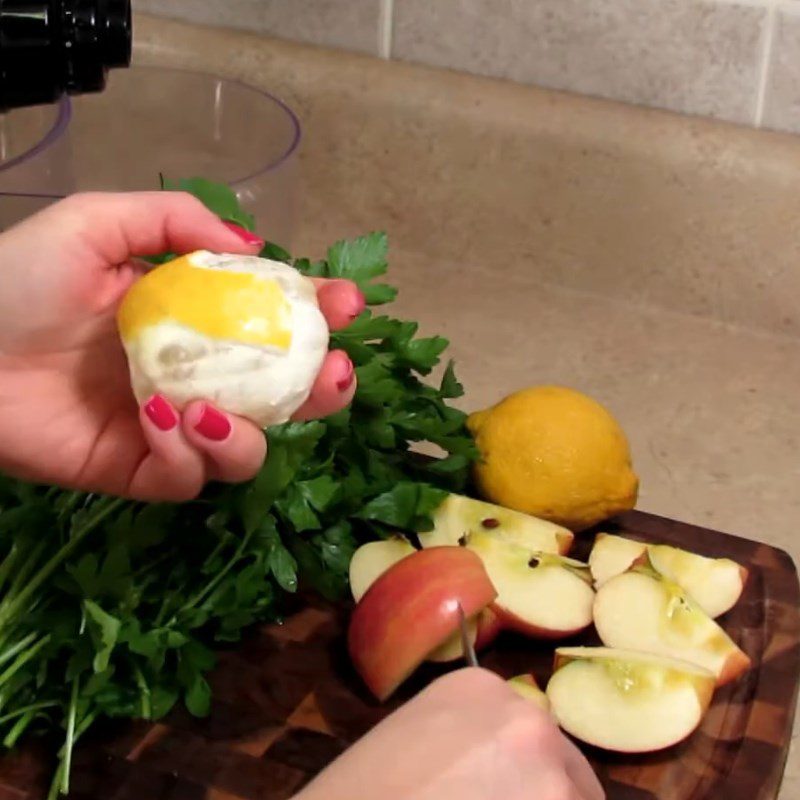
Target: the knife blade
(466, 642)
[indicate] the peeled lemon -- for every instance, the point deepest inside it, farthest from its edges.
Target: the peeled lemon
(554, 453)
(243, 332)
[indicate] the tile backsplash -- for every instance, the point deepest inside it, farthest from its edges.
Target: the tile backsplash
(737, 60)
(349, 24)
(694, 56)
(782, 97)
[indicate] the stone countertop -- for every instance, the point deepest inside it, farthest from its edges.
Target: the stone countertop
(648, 259)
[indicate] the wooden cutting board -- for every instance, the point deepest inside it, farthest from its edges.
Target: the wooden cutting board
(287, 703)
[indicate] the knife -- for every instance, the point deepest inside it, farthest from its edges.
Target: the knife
(466, 642)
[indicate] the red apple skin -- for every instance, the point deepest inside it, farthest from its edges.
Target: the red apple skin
(489, 627)
(565, 542)
(410, 610)
(738, 662)
(745, 574)
(511, 622)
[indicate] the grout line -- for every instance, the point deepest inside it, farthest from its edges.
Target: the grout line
(750, 3)
(756, 3)
(385, 23)
(766, 64)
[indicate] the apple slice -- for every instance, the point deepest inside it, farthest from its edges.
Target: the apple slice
(482, 630)
(538, 594)
(715, 584)
(489, 626)
(627, 701)
(373, 559)
(459, 515)
(410, 610)
(612, 555)
(526, 686)
(643, 610)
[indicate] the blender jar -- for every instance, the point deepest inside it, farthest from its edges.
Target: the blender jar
(153, 121)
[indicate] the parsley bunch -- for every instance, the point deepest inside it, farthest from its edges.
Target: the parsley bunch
(111, 608)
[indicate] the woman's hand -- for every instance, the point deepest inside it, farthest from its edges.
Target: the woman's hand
(67, 412)
(467, 736)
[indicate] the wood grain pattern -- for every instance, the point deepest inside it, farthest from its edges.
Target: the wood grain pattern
(287, 703)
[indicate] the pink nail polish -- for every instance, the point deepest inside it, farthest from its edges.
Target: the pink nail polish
(360, 304)
(213, 425)
(246, 236)
(346, 381)
(160, 413)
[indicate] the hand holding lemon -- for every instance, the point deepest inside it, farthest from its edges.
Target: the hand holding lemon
(67, 412)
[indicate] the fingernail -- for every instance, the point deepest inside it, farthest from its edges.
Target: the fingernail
(246, 236)
(160, 413)
(360, 303)
(347, 374)
(213, 424)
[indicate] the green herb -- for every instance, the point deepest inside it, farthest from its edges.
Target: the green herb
(110, 608)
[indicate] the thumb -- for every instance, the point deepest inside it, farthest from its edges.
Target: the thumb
(118, 226)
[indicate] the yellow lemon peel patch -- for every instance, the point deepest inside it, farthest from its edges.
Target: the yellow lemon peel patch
(236, 306)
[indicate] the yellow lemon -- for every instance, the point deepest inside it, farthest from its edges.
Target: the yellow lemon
(243, 332)
(554, 453)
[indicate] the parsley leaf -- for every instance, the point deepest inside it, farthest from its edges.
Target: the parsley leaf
(450, 387)
(361, 260)
(403, 505)
(284, 568)
(104, 629)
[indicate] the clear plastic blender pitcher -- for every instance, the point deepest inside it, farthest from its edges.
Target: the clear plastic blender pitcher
(152, 121)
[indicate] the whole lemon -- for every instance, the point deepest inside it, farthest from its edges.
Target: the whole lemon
(554, 453)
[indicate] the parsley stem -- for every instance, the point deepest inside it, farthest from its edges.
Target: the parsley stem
(10, 607)
(145, 568)
(14, 649)
(167, 602)
(25, 719)
(25, 709)
(85, 724)
(23, 571)
(55, 786)
(73, 499)
(147, 710)
(8, 563)
(60, 784)
(23, 659)
(214, 582)
(223, 542)
(70, 740)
